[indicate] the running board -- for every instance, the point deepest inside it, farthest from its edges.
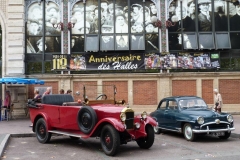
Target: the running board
(69, 134)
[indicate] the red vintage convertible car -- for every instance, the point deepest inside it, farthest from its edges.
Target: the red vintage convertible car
(110, 120)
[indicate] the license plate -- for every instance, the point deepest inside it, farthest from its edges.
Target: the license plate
(218, 134)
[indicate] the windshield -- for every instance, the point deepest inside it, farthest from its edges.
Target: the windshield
(192, 103)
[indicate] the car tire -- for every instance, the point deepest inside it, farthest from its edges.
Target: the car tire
(110, 140)
(41, 131)
(226, 136)
(87, 119)
(188, 133)
(147, 142)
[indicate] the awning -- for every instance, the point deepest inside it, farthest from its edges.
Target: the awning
(11, 80)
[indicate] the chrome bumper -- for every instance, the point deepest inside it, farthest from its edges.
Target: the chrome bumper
(212, 131)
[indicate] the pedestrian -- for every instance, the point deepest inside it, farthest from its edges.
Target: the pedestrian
(7, 102)
(37, 96)
(48, 91)
(61, 91)
(69, 91)
(217, 101)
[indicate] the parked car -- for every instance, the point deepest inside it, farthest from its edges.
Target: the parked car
(112, 121)
(191, 116)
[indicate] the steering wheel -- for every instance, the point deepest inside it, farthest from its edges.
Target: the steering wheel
(102, 95)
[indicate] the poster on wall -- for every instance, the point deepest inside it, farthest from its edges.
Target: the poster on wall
(135, 61)
(95, 61)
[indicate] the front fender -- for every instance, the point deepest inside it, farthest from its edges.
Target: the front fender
(141, 132)
(117, 124)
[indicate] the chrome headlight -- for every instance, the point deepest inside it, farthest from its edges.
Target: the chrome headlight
(200, 120)
(230, 118)
(123, 117)
(144, 115)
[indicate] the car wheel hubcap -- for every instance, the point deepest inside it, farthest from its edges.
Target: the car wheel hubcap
(188, 132)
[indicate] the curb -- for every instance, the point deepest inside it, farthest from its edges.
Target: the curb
(7, 137)
(3, 144)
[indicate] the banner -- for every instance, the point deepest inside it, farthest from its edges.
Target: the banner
(135, 61)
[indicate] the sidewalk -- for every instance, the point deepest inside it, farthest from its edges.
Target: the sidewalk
(20, 128)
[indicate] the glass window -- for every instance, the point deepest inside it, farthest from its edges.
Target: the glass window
(204, 16)
(235, 43)
(221, 19)
(122, 42)
(222, 41)
(190, 41)
(92, 43)
(137, 42)
(206, 41)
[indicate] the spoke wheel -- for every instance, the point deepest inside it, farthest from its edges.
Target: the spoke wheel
(110, 140)
(188, 133)
(41, 131)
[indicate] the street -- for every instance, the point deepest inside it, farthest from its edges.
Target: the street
(167, 146)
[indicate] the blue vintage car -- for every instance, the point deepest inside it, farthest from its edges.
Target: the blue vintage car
(191, 116)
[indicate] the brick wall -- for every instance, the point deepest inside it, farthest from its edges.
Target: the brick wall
(207, 91)
(122, 89)
(145, 92)
(53, 84)
(230, 90)
(184, 88)
(91, 89)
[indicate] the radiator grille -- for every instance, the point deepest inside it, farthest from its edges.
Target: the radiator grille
(129, 120)
(215, 126)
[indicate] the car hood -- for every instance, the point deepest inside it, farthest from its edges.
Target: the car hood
(200, 112)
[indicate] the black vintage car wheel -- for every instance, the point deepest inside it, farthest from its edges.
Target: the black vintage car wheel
(110, 140)
(226, 136)
(41, 131)
(147, 142)
(188, 133)
(86, 119)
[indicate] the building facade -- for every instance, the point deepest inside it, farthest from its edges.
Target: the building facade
(149, 49)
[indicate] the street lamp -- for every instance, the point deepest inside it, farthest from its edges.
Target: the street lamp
(156, 21)
(72, 23)
(56, 25)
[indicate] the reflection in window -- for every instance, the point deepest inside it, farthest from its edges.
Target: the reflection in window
(204, 16)
(221, 20)
(136, 16)
(34, 67)
(77, 44)
(91, 43)
(107, 43)
(151, 42)
(175, 41)
(235, 19)
(222, 41)
(190, 41)
(122, 42)
(206, 41)
(137, 42)
(235, 43)
(52, 17)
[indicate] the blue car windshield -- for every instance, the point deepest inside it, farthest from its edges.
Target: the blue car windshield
(192, 103)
